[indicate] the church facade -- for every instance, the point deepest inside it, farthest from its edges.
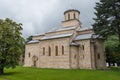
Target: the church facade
(69, 47)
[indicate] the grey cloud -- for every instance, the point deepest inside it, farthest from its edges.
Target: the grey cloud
(38, 16)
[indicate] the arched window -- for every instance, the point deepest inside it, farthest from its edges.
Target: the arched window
(98, 56)
(75, 56)
(29, 54)
(49, 51)
(74, 16)
(43, 51)
(56, 50)
(83, 47)
(68, 16)
(62, 50)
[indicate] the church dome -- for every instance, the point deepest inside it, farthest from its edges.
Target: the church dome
(71, 14)
(70, 10)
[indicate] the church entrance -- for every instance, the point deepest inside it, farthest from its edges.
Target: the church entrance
(34, 59)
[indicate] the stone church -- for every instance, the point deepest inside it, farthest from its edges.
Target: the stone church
(69, 47)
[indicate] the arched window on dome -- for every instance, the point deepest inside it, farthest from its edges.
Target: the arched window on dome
(74, 16)
(68, 16)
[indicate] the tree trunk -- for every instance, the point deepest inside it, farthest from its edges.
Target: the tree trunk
(2, 67)
(1, 70)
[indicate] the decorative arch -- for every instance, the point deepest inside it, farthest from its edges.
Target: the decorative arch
(34, 59)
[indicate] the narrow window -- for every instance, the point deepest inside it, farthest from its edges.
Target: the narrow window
(56, 50)
(49, 51)
(62, 50)
(98, 56)
(74, 16)
(43, 51)
(28, 54)
(83, 47)
(75, 56)
(68, 16)
(83, 56)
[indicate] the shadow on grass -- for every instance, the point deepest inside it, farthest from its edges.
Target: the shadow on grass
(10, 73)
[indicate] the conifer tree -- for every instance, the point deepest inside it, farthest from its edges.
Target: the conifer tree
(107, 21)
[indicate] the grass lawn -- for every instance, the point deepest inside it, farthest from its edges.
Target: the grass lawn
(23, 73)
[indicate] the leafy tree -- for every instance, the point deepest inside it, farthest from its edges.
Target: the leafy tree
(29, 39)
(107, 21)
(112, 49)
(11, 41)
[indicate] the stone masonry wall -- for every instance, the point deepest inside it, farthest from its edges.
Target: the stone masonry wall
(84, 54)
(53, 61)
(100, 56)
(30, 51)
(74, 56)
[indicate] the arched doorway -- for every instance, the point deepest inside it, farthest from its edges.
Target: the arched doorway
(34, 59)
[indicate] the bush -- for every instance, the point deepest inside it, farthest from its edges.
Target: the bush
(114, 68)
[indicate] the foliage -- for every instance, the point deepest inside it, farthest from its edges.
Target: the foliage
(23, 73)
(115, 68)
(11, 43)
(107, 21)
(29, 39)
(112, 49)
(107, 24)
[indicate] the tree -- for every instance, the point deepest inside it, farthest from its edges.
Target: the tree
(112, 50)
(29, 39)
(107, 21)
(11, 41)
(107, 24)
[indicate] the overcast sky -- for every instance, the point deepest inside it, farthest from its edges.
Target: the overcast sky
(39, 16)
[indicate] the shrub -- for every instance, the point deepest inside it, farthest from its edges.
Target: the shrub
(114, 68)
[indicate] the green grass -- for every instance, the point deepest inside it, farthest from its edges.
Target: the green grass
(22, 73)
